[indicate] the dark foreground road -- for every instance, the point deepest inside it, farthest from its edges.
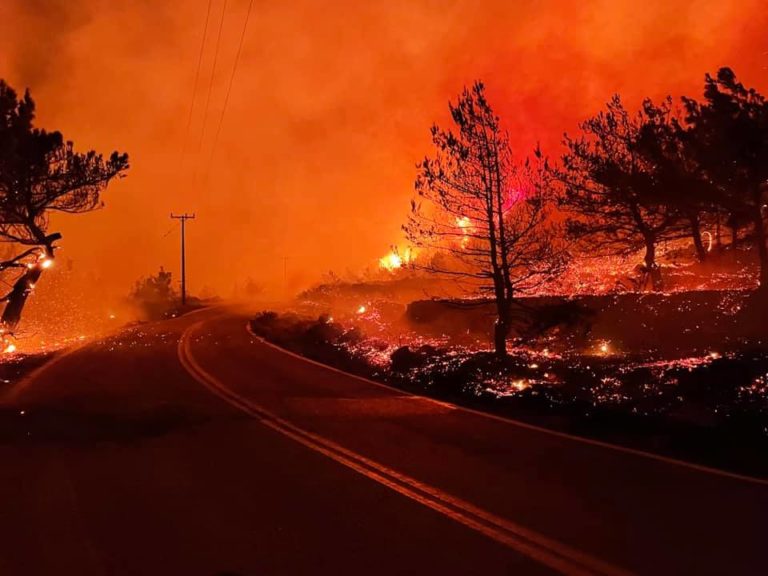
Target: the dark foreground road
(191, 448)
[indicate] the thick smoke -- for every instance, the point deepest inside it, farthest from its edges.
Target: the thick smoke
(329, 112)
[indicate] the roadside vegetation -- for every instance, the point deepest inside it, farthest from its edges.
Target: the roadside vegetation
(617, 291)
(710, 406)
(155, 298)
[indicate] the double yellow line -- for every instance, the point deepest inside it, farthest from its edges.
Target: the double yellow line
(537, 547)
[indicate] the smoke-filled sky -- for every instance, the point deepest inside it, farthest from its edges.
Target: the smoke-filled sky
(329, 111)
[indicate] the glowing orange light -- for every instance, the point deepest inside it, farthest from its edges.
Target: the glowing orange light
(395, 259)
(519, 385)
(46, 263)
(465, 225)
(391, 261)
(362, 309)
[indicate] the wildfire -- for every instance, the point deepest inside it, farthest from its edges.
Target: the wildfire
(465, 225)
(7, 343)
(396, 260)
(519, 385)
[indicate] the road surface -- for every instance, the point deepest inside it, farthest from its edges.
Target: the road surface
(190, 447)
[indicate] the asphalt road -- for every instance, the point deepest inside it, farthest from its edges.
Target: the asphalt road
(190, 447)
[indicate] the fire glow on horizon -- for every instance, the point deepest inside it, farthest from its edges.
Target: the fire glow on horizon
(379, 75)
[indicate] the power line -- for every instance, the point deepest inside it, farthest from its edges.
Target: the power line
(194, 86)
(229, 86)
(213, 74)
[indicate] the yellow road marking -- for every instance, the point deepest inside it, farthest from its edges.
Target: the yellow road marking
(537, 547)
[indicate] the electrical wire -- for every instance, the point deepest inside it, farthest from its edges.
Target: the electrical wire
(194, 86)
(229, 86)
(213, 75)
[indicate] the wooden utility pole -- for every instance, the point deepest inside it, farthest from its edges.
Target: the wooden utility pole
(183, 217)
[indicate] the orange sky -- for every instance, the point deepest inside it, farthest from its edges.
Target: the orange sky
(330, 109)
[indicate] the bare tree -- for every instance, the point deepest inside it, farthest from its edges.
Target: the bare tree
(485, 217)
(40, 173)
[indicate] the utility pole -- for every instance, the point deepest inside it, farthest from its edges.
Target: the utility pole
(183, 217)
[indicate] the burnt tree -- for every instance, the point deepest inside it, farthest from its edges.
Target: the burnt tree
(483, 217)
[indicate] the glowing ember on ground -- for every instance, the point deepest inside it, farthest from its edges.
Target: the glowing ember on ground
(519, 385)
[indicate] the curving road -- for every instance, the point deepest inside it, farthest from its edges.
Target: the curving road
(191, 447)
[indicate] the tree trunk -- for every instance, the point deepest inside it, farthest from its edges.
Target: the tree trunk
(762, 250)
(701, 252)
(734, 235)
(652, 269)
(502, 327)
(718, 240)
(500, 333)
(18, 297)
(23, 287)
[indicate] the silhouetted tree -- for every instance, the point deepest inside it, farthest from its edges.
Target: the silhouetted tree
(679, 183)
(728, 136)
(40, 173)
(485, 216)
(610, 192)
(154, 294)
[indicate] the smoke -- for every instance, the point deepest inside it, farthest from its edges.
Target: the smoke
(329, 112)
(52, 24)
